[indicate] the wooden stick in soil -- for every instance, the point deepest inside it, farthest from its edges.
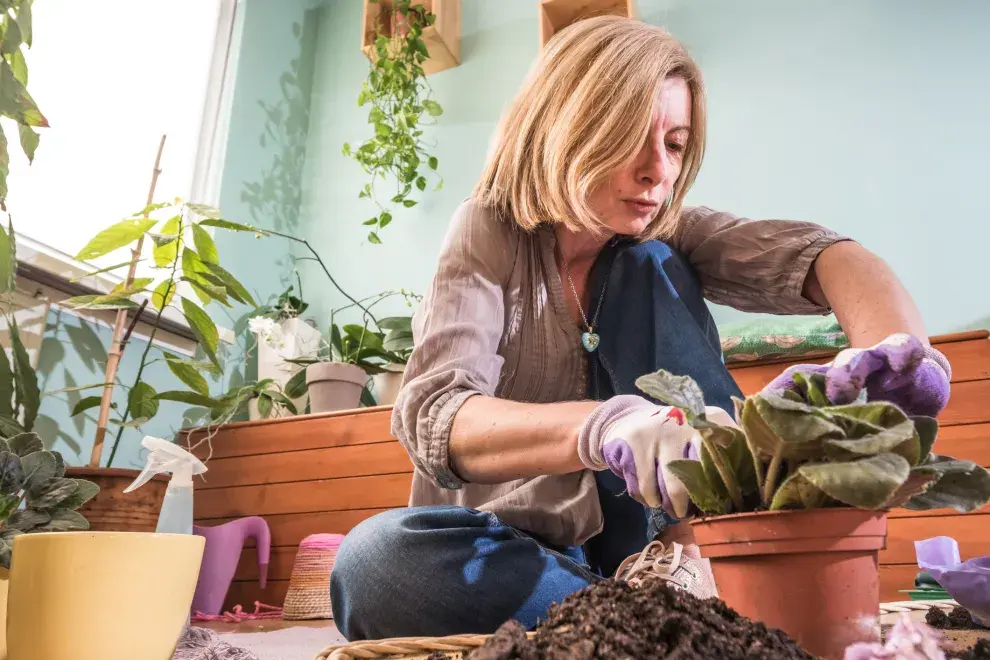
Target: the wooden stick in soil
(116, 345)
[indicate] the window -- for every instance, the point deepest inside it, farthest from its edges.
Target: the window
(111, 78)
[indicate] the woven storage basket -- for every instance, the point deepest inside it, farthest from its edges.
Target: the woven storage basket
(457, 646)
(308, 596)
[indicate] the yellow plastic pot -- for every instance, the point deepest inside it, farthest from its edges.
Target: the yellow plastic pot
(4, 576)
(100, 595)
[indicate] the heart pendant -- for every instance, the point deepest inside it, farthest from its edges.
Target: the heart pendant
(590, 341)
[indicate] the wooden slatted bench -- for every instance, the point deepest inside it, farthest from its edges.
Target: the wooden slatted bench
(326, 473)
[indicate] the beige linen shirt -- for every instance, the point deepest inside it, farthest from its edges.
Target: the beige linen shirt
(495, 322)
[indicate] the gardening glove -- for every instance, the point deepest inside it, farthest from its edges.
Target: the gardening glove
(900, 370)
(636, 440)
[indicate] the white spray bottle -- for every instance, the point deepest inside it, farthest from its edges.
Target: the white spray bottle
(177, 507)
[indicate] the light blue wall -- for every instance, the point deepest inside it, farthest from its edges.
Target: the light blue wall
(868, 116)
(260, 185)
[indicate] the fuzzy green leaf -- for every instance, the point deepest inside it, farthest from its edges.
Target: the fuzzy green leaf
(142, 401)
(26, 520)
(39, 467)
(900, 439)
(25, 379)
(801, 434)
(927, 428)
(11, 474)
(865, 484)
(812, 388)
(204, 329)
(52, 493)
(861, 419)
(700, 490)
(85, 404)
(961, 485)
(116, 236)
(798, 493)
(84, 492)
(190, 376)
(23, 444)
(678, 391)
(66, 520)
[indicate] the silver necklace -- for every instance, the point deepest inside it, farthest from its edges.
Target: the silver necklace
(589, 338)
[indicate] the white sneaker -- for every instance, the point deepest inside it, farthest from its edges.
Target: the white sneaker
(680, 571)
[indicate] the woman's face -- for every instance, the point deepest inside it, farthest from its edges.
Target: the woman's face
(635, 194)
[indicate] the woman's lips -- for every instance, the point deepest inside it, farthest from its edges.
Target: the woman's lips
(641, 205)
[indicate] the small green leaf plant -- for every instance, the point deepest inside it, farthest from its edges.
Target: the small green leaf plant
(401, 105)
(799, 451)
(35, 495)
(20, 396)
(15, 102)
(186, 276)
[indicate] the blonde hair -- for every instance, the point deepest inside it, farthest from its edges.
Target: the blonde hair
(584, 111)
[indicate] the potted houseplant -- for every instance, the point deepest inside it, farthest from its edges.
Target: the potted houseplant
(401, 104)
(35, 496)
(337, 378)
(282, 335)
(793, 501)
(398, 345)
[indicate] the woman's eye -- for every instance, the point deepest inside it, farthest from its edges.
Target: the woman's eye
(676, 147)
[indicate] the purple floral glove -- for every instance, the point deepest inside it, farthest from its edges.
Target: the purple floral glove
(636, 439)
(900, 370)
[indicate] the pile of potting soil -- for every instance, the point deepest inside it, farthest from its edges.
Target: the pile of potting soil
(957, 619)
(613, 620)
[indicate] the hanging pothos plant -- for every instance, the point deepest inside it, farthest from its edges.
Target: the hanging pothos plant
(399, 95)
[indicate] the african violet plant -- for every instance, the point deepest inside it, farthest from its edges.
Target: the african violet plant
(798, 451)
(35, 495)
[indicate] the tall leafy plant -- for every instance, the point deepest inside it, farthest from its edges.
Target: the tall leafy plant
(16, 34)
(400, 103)
(20, 396)
(185, 274)
(799, 451)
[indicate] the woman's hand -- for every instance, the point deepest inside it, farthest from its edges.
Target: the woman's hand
(636, 440)
(900, 369)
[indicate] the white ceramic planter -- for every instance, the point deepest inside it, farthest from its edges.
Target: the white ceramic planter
(300, 340)
(334, 386)
(387, 384)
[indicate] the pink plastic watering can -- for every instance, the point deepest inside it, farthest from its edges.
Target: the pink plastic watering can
(223, 550)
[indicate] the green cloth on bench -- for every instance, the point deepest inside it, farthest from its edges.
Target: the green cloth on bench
(781, 337)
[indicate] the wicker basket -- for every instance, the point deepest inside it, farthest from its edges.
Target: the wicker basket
(456, 646)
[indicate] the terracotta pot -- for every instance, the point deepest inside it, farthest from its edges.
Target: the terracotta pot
(334, 386)
(387, 384)
(113, 511)
(100, 595)
(813, 574)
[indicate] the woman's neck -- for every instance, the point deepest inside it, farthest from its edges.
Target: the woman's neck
(578, 247)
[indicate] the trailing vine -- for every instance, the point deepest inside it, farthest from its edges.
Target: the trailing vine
(400, 99)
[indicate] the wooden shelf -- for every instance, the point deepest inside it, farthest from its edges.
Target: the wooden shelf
(443, 38)
(555, 15)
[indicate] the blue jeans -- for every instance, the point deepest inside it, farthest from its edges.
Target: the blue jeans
(444, 570)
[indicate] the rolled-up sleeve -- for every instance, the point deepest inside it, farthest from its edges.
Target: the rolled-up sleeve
(457, 330)
(753, 265)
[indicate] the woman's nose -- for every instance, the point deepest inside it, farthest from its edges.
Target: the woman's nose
(654, 166)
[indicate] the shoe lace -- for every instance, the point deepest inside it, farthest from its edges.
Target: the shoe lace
(656, 561)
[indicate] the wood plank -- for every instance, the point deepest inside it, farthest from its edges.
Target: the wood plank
(279, 564)
(330, 463)
(273, 436)
(291, 529)
(893, 578)
(936, 513)
(970, 360)
(246, 592)
(390, 490)
(970, 442)
(967, 404)
(972, 532)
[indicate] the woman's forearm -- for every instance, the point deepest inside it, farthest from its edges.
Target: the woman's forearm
(869, 300)
(493, 440)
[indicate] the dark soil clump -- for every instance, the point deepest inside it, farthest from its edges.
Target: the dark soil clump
(613, 620)
(958, 619)
(980, 651)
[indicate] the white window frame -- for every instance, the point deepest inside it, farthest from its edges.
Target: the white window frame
(207, 177)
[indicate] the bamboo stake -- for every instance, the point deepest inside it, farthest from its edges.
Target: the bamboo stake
(116, 344)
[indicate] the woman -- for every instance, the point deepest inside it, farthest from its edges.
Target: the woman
(535, 454)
